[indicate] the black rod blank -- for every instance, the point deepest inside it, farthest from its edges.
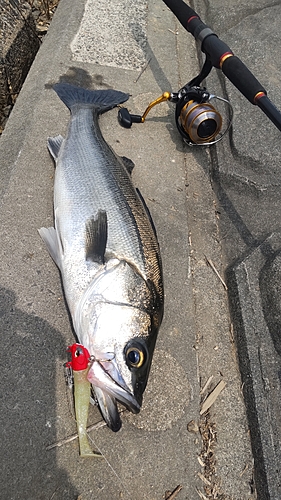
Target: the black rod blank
(222, 57)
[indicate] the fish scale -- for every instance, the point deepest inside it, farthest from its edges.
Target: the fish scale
(87, 180)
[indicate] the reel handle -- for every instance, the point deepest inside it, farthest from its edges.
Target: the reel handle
(126, 119)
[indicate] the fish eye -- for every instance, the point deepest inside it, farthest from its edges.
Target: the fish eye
(135, 355)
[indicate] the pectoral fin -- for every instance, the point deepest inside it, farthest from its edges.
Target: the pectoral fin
(96, 237)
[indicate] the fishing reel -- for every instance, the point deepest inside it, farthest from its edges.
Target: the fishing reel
(198, 120)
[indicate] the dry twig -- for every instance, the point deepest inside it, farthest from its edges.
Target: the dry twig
(143, 70)
(216, 271)
(174, 492)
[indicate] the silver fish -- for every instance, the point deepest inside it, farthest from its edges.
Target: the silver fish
(105, 245)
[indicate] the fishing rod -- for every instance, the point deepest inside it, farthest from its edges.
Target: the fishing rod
(197, 119)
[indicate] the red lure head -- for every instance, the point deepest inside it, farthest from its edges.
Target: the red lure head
(80, 357)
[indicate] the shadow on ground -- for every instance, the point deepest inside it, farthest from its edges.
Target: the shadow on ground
(30, 350)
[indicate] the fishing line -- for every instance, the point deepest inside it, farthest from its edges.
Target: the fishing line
(110, 466)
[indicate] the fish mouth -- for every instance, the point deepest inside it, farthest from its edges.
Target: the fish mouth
(109, 391)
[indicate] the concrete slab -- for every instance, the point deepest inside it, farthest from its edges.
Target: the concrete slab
(122, 44)
(254, 286)
(154, 451)
(245, 174)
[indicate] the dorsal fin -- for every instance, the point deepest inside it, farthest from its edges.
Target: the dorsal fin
(147, 211)
(96, 237)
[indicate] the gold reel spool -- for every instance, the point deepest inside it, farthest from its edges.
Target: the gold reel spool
(202, 122)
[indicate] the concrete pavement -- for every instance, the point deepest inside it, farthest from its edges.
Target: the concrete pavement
(200, 206)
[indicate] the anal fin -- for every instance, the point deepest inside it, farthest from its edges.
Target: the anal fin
(54, 145)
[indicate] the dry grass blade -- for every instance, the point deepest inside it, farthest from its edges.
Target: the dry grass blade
(203, 390)
(244, 470)
(201, 495)
(212, 397)
(68, 439)
(90, 428)
(204, 479)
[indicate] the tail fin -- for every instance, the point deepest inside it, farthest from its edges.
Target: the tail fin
(101, 100)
